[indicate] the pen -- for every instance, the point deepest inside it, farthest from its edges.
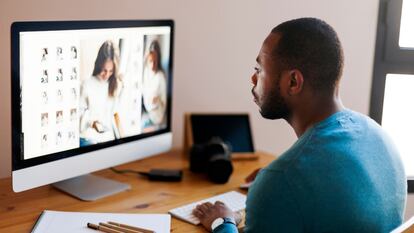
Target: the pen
(131, 227)
(102, 228)
(118, 228)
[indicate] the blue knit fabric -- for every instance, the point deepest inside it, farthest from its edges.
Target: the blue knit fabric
(342, 175)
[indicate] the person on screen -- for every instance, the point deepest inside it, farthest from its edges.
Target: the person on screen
(73, 52)
(59, 76)
(154, 88)
(45, 77)
(98, 98)
(71, 135)
(45, 99)
(44, 54)
(44, 119)
(44, 141)
(59, 138)
(73, 93)
(343, 174)
(59, 95)
(74, 74)
(73, 114)
(59, 117)
(59, 53)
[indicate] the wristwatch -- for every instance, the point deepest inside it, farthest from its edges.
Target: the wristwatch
(218, 221)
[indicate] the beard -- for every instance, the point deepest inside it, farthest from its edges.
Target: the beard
(273, 106)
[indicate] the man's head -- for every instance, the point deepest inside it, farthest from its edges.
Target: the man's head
(301, 55)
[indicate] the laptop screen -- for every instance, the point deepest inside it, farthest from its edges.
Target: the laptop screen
(233, 129)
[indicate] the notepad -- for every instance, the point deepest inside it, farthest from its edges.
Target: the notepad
(75, 222)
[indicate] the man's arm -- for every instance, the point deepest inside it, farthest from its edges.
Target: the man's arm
(271, 205)
(208, 213)
(226, 228)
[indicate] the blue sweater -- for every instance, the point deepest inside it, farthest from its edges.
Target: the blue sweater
(342, 175)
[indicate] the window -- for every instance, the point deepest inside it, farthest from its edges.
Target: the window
(398, 95)
(406, 39)
(392, 93)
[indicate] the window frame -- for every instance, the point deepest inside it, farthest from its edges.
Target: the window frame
(390, 58)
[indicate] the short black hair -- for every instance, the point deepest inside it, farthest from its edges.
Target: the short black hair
(313, 47)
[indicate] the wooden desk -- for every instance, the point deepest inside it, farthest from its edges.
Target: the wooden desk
(19, 211)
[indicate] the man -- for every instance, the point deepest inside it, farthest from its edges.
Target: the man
(343, 174)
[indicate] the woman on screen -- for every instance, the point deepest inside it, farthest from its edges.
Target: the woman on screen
(98, 98)
(154, 89)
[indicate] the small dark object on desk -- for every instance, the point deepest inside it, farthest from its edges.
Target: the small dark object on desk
(165, 175)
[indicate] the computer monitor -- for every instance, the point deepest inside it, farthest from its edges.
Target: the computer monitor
(88, 95)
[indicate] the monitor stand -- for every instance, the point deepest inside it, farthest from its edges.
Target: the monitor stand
(90, 187)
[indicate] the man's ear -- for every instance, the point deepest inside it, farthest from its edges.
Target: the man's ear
(295, 82)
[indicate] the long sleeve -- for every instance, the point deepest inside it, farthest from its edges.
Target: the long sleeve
(271, 206)
(226, 228)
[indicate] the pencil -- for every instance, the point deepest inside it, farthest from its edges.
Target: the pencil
(131, 227)
(102, 228)
(118, 228)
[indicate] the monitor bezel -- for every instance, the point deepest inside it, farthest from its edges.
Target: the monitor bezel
(17, 141)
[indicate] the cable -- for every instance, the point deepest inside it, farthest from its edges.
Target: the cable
(155, 174)
(129, 171)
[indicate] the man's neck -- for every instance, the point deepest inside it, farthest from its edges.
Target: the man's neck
(312, 112)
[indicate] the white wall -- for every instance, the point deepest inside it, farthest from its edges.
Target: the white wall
(215, 49)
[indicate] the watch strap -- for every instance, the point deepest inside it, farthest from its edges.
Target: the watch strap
(219, 221)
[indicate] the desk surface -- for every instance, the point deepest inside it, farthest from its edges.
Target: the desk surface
(19, 211)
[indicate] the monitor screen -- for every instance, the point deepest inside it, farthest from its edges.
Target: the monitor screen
(83, 86)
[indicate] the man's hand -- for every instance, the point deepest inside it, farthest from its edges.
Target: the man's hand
(208, 212)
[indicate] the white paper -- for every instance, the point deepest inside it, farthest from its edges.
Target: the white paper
(74, 222)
